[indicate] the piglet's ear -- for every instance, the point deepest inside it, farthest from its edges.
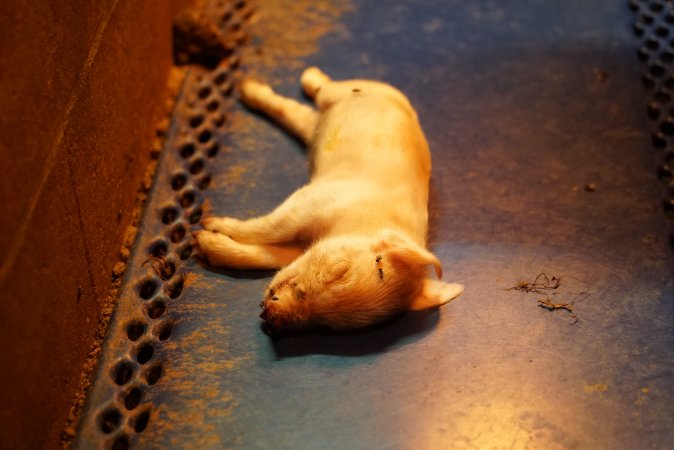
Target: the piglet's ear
(434, 294)
(402, 249)
(413, 254)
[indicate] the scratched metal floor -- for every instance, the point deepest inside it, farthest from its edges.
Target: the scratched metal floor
(536, 117)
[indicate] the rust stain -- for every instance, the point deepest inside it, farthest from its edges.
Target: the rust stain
(642, 396)
(190, 278)
(207, 207)
(599, 387)
(205, 417)
(205, 284)
(282, 34)
(290, 31)
(231, 177)
(241, 122)
(195, 376)
(208, 307)
(194, 380)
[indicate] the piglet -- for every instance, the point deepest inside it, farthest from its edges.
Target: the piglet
(351, 244)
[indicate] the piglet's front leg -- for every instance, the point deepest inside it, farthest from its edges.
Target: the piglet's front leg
(298, 218)
(260, 230)
(222, 251)
(229, 226)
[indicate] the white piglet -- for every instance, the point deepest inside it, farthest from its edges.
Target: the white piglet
(351, 243)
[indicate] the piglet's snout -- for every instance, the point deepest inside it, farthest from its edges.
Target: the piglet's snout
(271, 317)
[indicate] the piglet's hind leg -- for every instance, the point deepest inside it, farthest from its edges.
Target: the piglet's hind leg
(295, 117)
(313, 80)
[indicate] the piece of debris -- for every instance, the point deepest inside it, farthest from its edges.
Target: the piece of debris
(590, 187)
(544, 285)
(118, 270)
(599, 387)
(601, 75)
(161, 266)
(197, 39)
(540, 284)
(550, 306)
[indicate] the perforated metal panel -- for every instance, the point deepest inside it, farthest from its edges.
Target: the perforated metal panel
(121, 403)
(655, 29)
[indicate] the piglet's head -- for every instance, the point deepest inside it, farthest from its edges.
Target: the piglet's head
(284, 306)
(354, 281)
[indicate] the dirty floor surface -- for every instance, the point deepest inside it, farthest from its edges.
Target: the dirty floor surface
(542, 157)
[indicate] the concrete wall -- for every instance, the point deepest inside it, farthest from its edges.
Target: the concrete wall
(82, 84)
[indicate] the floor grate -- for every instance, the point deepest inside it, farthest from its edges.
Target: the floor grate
(120, 404)
(655, 29)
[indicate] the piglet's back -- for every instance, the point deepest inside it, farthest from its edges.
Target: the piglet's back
(375, 135)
